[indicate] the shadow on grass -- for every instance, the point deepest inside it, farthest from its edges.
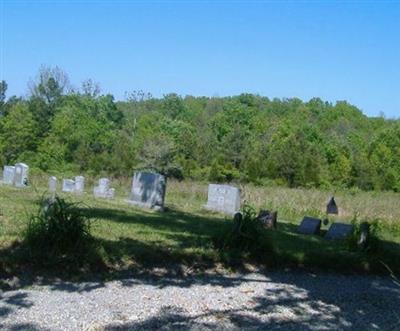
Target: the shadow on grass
(184, 244)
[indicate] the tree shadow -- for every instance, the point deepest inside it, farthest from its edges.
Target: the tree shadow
(297, 302)
(193, 251)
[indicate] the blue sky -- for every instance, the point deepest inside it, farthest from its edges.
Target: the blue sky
(335, 50)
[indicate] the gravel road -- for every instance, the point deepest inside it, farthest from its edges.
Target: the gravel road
(276, 301)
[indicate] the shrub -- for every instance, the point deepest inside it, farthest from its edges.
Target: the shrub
(247, 235)
(371, 243)
(59, 232)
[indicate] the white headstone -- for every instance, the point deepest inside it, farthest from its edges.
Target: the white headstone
(223, 198)
(52, 184)
(21, 175)
(148, 190)
(79, 184)
(103, 190)
(68, 185)
(8, 175)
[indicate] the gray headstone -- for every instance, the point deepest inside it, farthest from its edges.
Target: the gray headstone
(103, 190)
(339, 231)
(21, 175)
(52, 184)
(223, 198)
(8, 175)
(68, 185)
(310, 225)
(79, 184)
(148, 190)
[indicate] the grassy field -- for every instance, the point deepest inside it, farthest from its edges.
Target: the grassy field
(185, 234)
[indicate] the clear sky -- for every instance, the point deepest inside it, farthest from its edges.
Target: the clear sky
(335, 50)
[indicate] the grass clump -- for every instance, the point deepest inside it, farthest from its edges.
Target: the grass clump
(59, 234)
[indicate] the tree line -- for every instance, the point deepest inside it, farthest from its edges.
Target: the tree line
(247, 138)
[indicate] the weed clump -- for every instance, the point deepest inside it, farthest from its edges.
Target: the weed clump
(59, 233)
(246, 236)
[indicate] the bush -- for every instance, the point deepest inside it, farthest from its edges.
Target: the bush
(371, 243)
(247, 236)
(59, 233)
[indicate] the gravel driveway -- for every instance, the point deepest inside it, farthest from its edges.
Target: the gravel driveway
(276, 301)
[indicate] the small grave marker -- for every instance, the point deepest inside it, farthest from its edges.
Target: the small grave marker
(21, 175)
(68, 186)
(223, 198)
(52, 185)
(79, 184)
(310, 225)
(268, 219)
(148, 190)
(339, 231)
(8, 175)
(103, 190)
(331, 207)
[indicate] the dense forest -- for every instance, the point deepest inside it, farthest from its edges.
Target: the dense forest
(246, 138)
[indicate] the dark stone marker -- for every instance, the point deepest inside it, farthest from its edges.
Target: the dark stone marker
(331, 207)
(310, 225)
(339, 231)
(268, 219)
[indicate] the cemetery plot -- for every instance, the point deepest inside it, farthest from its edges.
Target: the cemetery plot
(339, 231)
(310, 225)
(148, 190)
(223, 198)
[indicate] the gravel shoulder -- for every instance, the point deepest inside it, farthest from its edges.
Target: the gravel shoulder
(275, 301)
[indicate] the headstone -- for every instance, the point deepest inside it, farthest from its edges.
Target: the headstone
(68, 185)
(339, 231)
(331, 207)
(223, 198)
(268, 219)
(310, 225)
(148, 190)
(364, 235)
(21, 175)
(103, 190)
(8, 175)
(79, 184)
(52, 185)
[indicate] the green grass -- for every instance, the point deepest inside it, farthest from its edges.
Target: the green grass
(185, 234)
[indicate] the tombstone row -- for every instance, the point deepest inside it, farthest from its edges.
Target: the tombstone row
(148, 191)
(16, 175)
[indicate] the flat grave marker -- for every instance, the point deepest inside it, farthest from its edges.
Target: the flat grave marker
(310, 225)
(339, 231)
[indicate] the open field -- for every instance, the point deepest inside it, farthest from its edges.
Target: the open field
(185, 234)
